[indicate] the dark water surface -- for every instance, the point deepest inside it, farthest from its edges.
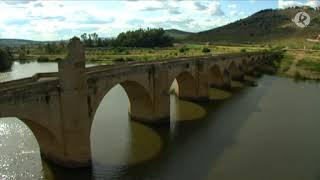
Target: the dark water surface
(254, 133)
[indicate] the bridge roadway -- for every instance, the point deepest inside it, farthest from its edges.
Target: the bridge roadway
(59, 107)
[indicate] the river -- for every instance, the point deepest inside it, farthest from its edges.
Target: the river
(269, 131)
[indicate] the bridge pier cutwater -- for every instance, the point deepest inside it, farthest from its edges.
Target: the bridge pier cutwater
(59, 107)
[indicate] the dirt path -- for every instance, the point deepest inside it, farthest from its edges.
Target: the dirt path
(293, 68)
(305, 73)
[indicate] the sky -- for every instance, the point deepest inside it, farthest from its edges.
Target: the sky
(60, 20)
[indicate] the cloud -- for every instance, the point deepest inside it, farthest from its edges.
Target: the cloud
(38, 5)
(15, 2)
(17, 22)
(135, 21)
(96, 20)
(292, 3)
(174, 11)
(215, 9)
(232, 6)
(40, 20)
(200, 6)
(289, 3)
(313, 3)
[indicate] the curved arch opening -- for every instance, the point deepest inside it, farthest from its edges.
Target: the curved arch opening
(185, 85)
(244, 65)
(20, 150)
(183, 89)
(217, 78)
(116, 140)
(234, 71)
(219, 88)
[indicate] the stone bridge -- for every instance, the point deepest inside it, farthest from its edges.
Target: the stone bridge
(59, 107)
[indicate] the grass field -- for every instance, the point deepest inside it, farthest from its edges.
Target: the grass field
(300, 64)
(112, 55)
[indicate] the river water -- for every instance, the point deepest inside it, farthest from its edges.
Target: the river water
(269, 131)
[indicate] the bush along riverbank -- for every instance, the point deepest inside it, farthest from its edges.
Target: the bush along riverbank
(6, 60)
(300, 65)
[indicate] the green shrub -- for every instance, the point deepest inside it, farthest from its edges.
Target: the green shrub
(5, 60)
(43, 59)
(121, 59)
(57, 59)
(316, 46)
(243, 50)
(206, 50)
(184, 49)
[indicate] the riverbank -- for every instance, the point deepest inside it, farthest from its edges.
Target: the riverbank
(300, 64)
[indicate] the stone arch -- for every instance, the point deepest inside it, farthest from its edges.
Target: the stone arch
(186, 85)
(244, 66)
(49, 145)
(218, 78)
(141, 104)
(235, 72)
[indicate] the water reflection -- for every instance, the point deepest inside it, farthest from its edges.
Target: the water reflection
(20, 156)
(278, 141)
(236, 84)
(116, 140)
(218, 94)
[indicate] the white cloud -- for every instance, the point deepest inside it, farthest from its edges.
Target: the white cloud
(292, 3)
(40, 21)
(215, 9)
(288, 3)
(232, 6)
(313, 3)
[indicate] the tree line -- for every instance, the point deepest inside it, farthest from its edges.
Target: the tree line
(145, 38)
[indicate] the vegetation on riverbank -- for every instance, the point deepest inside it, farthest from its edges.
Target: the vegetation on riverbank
(300, 64)
(6, 59)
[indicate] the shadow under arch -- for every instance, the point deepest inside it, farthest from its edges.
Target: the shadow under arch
(219, 78)
(115, 140)
(186, 85)
(140, 102)
(244, 66)
(234, 70)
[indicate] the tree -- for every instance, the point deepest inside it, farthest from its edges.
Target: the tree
(5, 60)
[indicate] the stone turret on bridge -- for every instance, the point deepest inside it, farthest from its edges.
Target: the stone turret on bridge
(60, 107)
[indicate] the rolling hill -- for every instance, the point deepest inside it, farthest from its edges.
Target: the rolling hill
(266, 26)
(178, 34)
(17, 42)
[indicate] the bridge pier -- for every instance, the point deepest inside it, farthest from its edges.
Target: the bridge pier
(74, 118)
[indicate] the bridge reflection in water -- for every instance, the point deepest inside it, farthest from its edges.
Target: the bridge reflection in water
(60, 107)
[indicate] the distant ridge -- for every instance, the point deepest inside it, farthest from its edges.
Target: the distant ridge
(270, 25)
(17, 42)
(178, 34)
(21, 42)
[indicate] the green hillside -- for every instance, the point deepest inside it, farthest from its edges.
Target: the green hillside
(178, 34)
(266, 26)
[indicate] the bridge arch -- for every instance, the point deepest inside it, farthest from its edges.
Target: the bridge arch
(234, 70)
(186, 85)
(217, 77)
(244, 66)
(140, 101)
(45, 138)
